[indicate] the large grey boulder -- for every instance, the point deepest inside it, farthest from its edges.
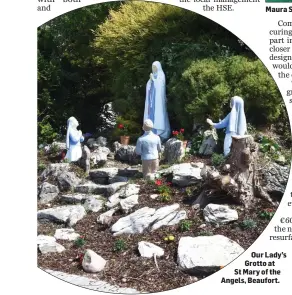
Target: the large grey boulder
(129, 190)
(185, 175)
(54, 170)
(102, 175)
(48, 192)
(67, 180)
(74, 198)
(93, 204)
(206, 254)
(48, 244)
(70, 214)
(219, 214)
(66, 234)
(146, 217)
(128, 203)
(126, 153)
(174, 151)
(209, 142)
(99, 156)
(275, 178)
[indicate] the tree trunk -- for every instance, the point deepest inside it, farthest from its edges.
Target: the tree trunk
(237, 178)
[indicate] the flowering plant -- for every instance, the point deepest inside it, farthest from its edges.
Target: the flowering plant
(80, 257)
(179, 134)
(163, 188)
(122, 129)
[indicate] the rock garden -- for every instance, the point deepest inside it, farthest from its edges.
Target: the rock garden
(107, 224)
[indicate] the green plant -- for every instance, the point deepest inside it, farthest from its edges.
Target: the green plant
(79, 242)
(185, 225)
(120, 245)
(46, 133)
(268, 145)
(41, 166)
(126, 127)
(217, 159)
(54, 149)
(267, 214)
(196, 142)
(165, 197)
(205, 233)
(123, 129)
(251, 129)
(162, 187)
(189, 191)
(248, 224)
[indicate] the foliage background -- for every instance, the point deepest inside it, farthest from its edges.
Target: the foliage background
(103, 53)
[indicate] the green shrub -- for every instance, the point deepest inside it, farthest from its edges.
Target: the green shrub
(41, 167)
(79, 242)
(207, 85)
(46, 133)
(139, 33)
(217, 159)
(196, 142)
(120, 245)
(185, 225)
(248, 224)
(267, 214)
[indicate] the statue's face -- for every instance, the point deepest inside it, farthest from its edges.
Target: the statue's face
(154, 69)
(75, 123)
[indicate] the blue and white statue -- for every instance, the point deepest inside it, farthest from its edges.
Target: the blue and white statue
(155, 102)
(234, 122)
(73, 140)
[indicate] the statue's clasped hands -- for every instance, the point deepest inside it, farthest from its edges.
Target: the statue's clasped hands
(151, 76)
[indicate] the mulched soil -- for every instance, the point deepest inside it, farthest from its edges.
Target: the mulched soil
(126, 268)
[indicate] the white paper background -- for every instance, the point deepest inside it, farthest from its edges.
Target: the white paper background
(19, 22)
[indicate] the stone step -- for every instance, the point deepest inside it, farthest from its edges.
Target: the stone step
(99, 189)
(70, 214)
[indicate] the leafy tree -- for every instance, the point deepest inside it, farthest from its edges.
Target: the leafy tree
(70, 81)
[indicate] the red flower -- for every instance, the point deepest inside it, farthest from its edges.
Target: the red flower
(269, 210)
(158, 182)
(182, 130)
(120, 126)
(173, 132)
(169, 183)
(81, 257)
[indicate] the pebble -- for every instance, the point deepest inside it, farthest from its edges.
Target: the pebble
(202, 225)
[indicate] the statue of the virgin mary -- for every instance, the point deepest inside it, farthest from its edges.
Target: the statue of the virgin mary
(155, 103)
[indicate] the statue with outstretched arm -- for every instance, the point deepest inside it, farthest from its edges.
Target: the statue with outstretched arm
(234, 122)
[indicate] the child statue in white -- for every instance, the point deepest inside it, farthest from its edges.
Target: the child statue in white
(73, 139)
(155, 102)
